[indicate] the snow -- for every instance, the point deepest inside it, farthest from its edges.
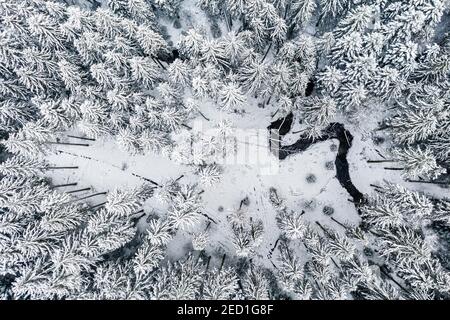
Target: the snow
(103, 166)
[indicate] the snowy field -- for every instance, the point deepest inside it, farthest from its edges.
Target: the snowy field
(103, 167)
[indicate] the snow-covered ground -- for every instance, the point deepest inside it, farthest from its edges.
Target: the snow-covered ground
(102, 166)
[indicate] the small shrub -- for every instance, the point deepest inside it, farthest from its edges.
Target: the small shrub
(311, 178)
(329, 165)
(327, 210)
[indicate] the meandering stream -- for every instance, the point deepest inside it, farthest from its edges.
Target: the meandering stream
(332, 131)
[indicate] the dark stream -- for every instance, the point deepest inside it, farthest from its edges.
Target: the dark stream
(333, 131)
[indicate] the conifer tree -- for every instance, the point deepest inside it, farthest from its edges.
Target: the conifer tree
(418, 163)
(255, 285)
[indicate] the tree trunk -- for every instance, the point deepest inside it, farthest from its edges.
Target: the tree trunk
(267, 52)
(79, 190)
(209, 218)
(207, 263)
(227, 20)
(159, 63)
(223, 261)
(96, 206)
(91, 196)
(382, 128)
(69, 144)
(431, 182)
(179, 178)
(334, 262)
(207, 119)
(319, 20)
(81, 138)
(275, 245)
(64, 185)
(385, 273)
(380, 161)
(275, 113)
(327, 233)
(339, 223)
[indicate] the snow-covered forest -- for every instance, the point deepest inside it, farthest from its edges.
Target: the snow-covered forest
(225, 149)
